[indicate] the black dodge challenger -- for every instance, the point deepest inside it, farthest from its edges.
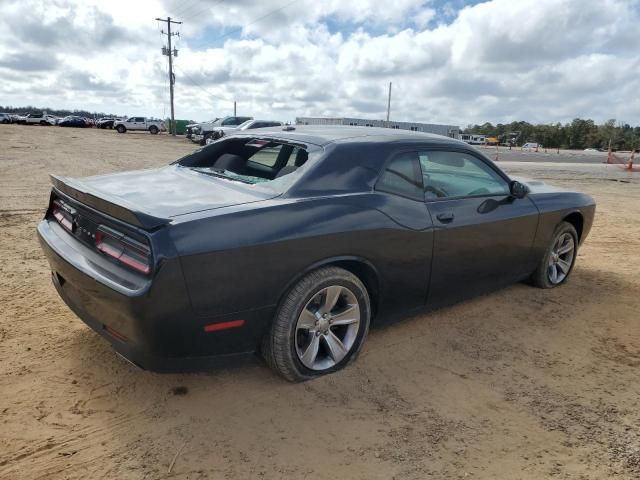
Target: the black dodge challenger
(293, 241)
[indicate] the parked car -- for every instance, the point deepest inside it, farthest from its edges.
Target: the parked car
(106, 122)
(219, 132)
(532, 145)
(73, 121)
(154, 126)
(293, 241)
(204, 130)
(194, 127)
(6, 118)
(38, 118)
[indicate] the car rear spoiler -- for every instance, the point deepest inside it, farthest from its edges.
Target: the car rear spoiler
(114, 207)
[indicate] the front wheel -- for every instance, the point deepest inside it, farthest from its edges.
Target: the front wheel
(121, 129)
(206, 138)
(557, 262)
(320, 325)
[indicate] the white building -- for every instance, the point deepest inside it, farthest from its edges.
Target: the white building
(446, 130)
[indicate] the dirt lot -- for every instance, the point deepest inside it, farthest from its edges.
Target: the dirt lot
(520, 384)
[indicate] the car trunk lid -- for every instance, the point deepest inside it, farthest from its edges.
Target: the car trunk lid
(151, 198)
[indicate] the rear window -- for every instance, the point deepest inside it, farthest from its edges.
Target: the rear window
(263, 163)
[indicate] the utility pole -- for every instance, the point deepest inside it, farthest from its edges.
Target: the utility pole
(389, 105)
(170, 53)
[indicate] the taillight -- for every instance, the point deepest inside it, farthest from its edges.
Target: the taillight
(124, 249)
(63, 214)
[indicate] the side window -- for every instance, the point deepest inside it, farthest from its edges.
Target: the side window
(402, 177)
(140, 119)
(266, 156)
(456, 174)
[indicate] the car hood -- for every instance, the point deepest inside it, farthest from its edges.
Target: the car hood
(171, 191)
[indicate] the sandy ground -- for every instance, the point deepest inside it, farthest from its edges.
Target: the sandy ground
(519, 384)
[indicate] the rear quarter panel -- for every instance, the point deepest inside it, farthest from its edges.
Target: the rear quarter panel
(247, 259)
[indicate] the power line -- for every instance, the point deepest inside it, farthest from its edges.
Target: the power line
(180, 7)
(170, 53)
(242, 27)
(196, 13)
(193, 82)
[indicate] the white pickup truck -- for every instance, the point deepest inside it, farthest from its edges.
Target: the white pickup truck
(38, 119)
(140, 123)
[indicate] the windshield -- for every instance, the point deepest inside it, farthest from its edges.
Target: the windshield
(274, 164)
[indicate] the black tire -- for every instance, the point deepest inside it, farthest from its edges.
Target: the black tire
(542, 277)
(43, 122)
(121, 129)
(153, 130)
(5, 121)
(279, 344)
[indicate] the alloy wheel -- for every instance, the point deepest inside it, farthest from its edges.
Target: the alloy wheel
(327, 328)
(561, 258)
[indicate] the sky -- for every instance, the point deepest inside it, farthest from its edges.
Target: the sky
(451, 61)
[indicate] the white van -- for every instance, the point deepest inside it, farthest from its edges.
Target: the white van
(532, 145)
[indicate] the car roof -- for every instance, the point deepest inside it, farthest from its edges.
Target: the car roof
(325, 134)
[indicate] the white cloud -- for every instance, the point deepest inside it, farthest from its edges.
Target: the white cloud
(536, 60)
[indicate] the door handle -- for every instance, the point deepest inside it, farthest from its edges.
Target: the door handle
(446, 217)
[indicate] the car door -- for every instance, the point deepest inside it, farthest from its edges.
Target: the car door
(483, 235)
(407, 251)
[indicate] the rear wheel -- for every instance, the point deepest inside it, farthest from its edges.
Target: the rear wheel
(153, 130)
(557, 262)
(320, 325)
(121, 129)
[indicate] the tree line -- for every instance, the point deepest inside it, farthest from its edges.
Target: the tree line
(56, 112)
(579, 134)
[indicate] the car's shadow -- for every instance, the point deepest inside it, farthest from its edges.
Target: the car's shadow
(416, 384)
(585, 287)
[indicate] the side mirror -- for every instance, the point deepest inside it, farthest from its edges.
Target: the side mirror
(518, 190)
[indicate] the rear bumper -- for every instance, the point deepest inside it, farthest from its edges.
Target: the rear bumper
(151, 324)
(140, 355)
